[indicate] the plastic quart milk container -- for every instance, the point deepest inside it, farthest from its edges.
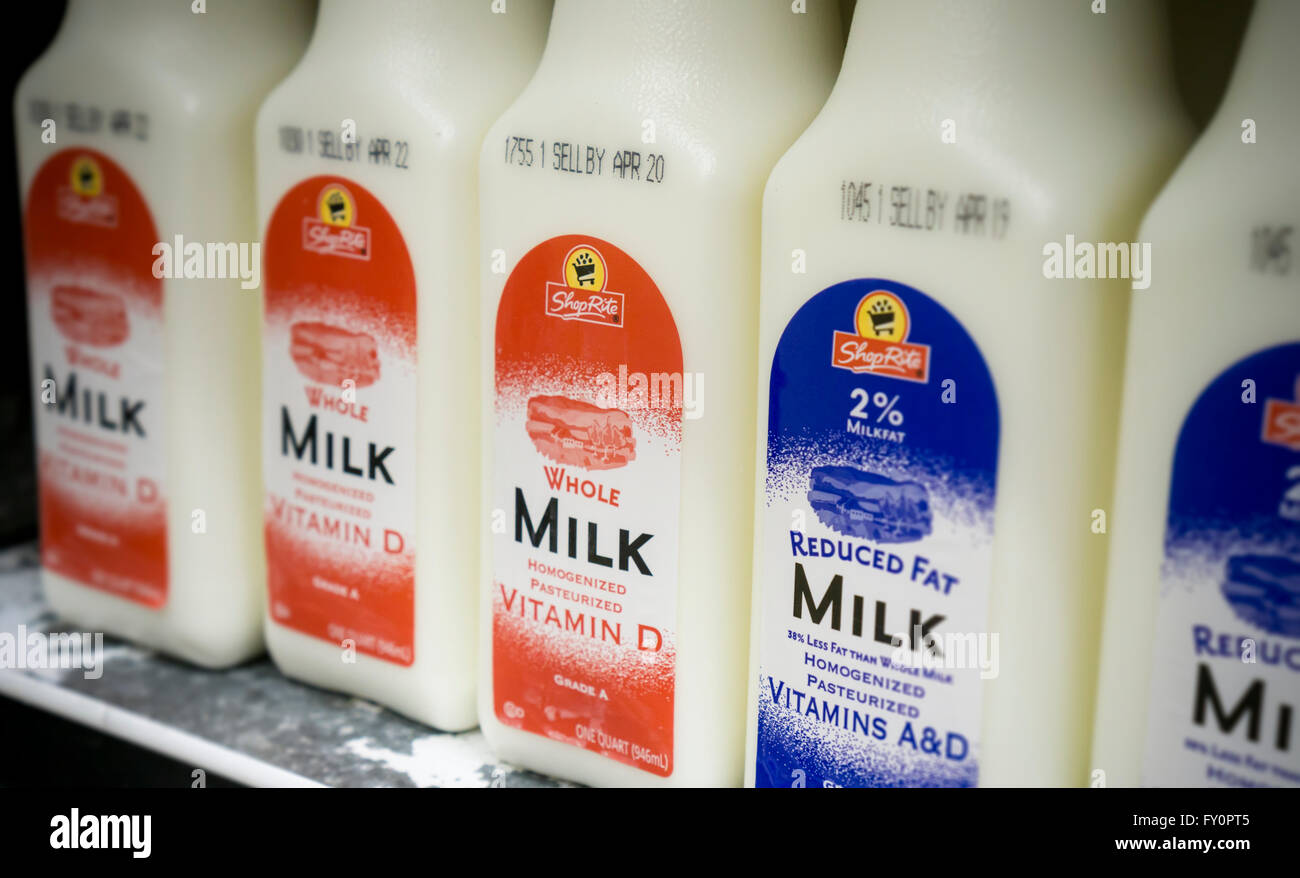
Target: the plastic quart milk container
(142, 271)
(620, 198)
(370, 406)
(1200, 662)
(936, 406)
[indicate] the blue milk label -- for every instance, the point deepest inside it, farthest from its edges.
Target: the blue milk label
(1225, 680)
(875, 543)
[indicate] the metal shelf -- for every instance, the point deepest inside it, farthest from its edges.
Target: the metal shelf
(249, 724)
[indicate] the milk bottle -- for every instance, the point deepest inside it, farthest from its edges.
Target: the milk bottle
(936, 404)
(620, 215)
(368, 200)
(134, 132)
(1200, 660)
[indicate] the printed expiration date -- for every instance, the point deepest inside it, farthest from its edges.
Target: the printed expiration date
(568, 157)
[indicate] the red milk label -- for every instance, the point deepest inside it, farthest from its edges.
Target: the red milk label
(587, 444)
(96, 320)
(338, 419)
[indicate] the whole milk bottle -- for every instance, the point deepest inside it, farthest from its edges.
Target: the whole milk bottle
(937, 395)
(620, 215)
(1200, 660)
(134, 151)
(368, 196)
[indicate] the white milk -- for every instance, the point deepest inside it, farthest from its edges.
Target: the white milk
(1200, 664)
(935, 414)
(147, 432)
(367, 159)
(620, 212)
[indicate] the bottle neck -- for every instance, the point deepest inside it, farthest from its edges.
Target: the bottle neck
(95, 16)
(1266, 79)
(142, 23)
(427, 33)
(381, 24)
(1004, 54)
(666, 46)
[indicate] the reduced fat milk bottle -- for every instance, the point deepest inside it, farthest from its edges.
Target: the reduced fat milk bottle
(935, 406)
(620, 199)
(1200, 662)
(134, 154)
(368, 199)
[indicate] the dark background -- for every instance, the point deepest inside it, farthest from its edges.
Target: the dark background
(1206, 36)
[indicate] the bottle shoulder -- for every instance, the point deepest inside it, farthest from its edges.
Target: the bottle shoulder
(446, 107)
(1051, 175)
(1223, 239)
(166, 91)
(1225, 181)
(738, 145)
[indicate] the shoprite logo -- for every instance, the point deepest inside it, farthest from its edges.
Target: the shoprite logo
(86, 178)
(331, 231)
(83, 200)
(880, 346)
(582, 296)
(1282, 421)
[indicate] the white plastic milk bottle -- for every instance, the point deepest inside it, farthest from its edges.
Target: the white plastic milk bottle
(134, 144)
(935, 410)
(1200, 661)
(367, 173)
(620, 211)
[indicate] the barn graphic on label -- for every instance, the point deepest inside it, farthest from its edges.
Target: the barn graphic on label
(331, 355)
(863, 504)
(1264, 590)
(89, 317)
(577, 433)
